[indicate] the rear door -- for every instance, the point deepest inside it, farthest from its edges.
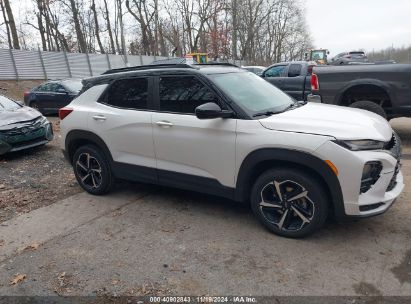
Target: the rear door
(42, 96)
(190, 151)
(122, 118)
(276, 75)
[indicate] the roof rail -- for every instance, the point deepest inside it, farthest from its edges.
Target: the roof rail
(216, 63)
(148, 67)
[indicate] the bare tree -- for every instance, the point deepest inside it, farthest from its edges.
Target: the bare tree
(96, 26)
(11, 23)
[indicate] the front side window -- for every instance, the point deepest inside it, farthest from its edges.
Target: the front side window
(277, 71)
(129, 93)
(183, 94)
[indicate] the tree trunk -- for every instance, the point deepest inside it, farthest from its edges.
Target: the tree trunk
(234, 30)
(110, 32)
(80, 37)
(10, 42)
(97, 29)
(12, 25)
(41, 25)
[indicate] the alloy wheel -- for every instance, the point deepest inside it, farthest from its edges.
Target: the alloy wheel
(287, 205)
(89, 171)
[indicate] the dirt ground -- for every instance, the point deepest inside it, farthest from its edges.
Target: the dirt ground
(35, 178)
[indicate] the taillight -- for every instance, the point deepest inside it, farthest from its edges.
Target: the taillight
(63, 112)
(315, 86)
(26, 94)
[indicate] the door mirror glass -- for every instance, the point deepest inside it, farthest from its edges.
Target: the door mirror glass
(211, 110)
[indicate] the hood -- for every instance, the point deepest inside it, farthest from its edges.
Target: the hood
(340, 122)
(19, 115)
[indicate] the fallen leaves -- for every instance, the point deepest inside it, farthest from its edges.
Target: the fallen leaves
(2, 242)
(33, 246)
(17, 279)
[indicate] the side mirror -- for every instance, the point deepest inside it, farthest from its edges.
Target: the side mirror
(212, 110)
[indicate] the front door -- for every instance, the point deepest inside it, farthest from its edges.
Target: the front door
(276, 75)
(192, 153)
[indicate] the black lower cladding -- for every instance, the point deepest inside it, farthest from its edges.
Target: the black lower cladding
(171, 179)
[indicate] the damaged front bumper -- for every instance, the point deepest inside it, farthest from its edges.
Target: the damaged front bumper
(25, 136)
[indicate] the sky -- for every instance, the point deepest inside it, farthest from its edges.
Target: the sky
(345, 25)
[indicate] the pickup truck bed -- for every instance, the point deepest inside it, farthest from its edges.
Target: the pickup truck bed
(384, 89)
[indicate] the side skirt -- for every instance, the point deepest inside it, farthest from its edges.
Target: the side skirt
(171, 179)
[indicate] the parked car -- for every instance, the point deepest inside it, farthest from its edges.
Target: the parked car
(50, 96)
(224, 131)
(21, 127)
(258, 70)
(349, 57)
(294, 78)
(384, 89)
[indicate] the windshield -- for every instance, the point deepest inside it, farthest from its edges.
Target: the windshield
(8, 104)
(73, 85)
(252, 93)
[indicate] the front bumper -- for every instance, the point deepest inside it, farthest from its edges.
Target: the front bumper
(21, 141)
(382, 194)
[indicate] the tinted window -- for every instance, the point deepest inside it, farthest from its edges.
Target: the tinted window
(47, 87)
(183, 94)
(294, 70)
(128, 93)
(277, 71)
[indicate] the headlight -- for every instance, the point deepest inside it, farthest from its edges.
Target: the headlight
(360, 145)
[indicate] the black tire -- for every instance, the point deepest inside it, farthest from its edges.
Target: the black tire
(92, 170)
(369, 106)
(313, 205)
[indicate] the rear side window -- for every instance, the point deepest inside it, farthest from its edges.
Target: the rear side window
(294, 70)
(183, 94)
(129, 93)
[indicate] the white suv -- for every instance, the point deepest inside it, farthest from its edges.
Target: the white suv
(221, 130)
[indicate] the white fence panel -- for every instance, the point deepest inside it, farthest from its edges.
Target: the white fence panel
(7, 71)
(55, 65)
(28, 64)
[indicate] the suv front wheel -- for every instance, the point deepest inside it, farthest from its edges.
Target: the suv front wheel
(92, 170)
(289, 202)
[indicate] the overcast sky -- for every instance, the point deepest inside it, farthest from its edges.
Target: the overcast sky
(344, 25)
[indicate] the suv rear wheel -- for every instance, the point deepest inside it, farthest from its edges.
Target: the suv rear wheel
(92, 170)
(289, 202)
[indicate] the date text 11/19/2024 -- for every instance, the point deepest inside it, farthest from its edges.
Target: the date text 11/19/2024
(202, 299)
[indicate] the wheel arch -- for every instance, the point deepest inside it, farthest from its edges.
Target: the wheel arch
(263, 159)
(367, 85)
(78, 138)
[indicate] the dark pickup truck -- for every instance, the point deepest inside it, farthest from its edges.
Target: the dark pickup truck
(291, 77)
(382, 89)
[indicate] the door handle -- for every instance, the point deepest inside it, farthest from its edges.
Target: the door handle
(99, 117)
(164, 124)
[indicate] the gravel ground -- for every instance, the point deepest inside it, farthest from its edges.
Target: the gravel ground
(35, 178)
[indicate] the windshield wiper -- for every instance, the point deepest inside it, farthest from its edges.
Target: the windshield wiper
(266, 113)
